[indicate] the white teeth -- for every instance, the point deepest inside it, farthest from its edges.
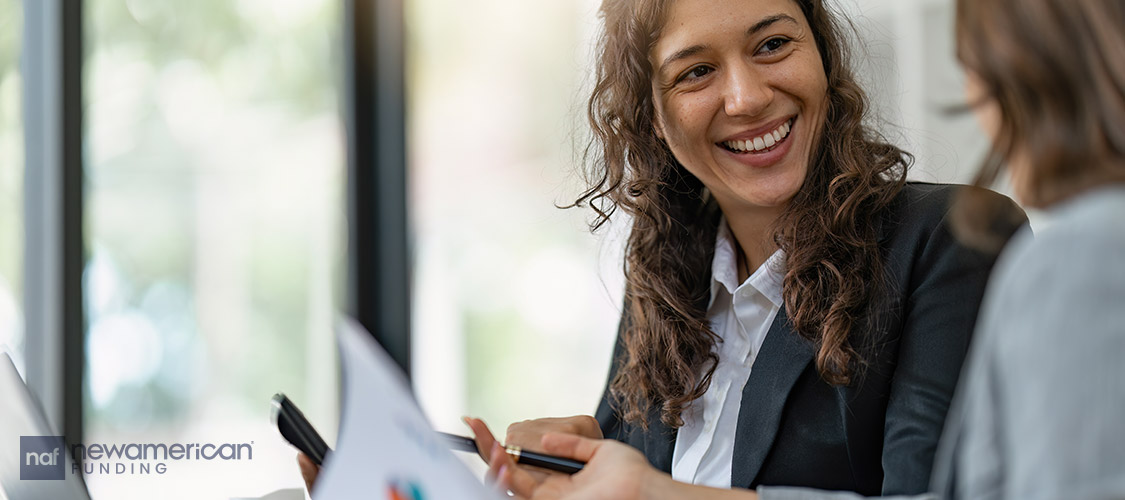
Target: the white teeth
(766, 141)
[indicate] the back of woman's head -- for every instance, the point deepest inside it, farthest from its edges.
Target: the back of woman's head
(1056, 71)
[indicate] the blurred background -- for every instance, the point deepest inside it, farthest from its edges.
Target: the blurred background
(215, 200)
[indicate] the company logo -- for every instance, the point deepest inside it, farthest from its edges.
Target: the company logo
(42, 457)
(148, 458)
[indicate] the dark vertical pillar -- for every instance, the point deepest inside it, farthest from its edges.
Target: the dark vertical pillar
(378, 256)
(54, 256)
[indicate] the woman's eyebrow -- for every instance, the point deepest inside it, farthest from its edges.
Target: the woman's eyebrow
(757, 27)
(769, 21)
(682, 54)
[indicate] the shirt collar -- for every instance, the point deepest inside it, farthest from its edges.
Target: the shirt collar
(767, 279)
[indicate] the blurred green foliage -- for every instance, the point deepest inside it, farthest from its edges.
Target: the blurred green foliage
(213, 170)
(11, 176)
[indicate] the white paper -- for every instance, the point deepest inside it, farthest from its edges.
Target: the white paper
(386, 446)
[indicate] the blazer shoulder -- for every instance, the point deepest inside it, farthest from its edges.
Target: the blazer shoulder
(923, 202)
(921, 208)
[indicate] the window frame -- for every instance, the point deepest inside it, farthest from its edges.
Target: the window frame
(52, 58)
(54, 256)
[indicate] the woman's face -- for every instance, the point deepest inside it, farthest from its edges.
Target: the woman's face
(740, 95)
(987, 111)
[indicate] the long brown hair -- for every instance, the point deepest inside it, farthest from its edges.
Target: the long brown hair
(1056, 70)
(828, 230)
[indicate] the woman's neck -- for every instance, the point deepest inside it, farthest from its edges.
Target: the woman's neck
(754, 234)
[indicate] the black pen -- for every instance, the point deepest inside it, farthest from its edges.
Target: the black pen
(521, 456)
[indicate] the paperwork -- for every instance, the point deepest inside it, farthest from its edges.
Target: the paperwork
(386, 447)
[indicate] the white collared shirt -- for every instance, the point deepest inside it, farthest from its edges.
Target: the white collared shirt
(741, 315)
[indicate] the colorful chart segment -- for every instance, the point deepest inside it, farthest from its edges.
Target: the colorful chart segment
(404, 490)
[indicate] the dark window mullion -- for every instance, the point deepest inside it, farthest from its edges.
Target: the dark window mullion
(54, 255)
(378, 254)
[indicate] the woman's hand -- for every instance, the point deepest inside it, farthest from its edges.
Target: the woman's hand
(529, 433)
(493, 453)
(309, 471)
(483, 436)
(613, 471)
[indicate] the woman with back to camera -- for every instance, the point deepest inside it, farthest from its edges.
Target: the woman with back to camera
(795, 312)
(1039, 412)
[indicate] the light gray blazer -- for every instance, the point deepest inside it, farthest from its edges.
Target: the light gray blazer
(1040, 410)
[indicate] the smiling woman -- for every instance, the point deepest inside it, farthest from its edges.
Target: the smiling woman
(796, 313)
(740, 107)
(760, 70)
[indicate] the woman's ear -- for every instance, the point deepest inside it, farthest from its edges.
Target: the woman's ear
(658, 126)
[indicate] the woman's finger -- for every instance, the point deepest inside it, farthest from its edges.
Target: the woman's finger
(526, 434)
(309, 470)
(482, 435)
(498, 461)
(503, 470)
(570, 446)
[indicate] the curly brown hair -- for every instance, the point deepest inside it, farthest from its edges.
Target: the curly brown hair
(827, 231)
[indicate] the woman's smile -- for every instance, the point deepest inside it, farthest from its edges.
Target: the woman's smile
(740, 96)
(757, 149)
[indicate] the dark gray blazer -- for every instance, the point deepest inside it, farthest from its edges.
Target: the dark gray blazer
(877, 435)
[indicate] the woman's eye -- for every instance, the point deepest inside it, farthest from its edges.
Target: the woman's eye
(696, 72)
(773, 45)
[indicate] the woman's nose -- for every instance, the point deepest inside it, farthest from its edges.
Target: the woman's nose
(748, 93)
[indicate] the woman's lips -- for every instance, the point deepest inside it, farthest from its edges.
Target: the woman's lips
(762, 143)
(768, 155)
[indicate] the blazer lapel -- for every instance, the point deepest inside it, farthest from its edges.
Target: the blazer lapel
(783, 357)
(660, 443)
